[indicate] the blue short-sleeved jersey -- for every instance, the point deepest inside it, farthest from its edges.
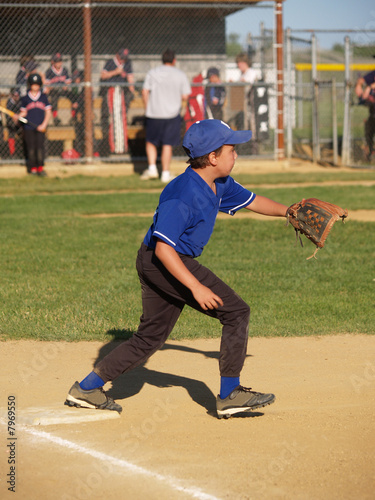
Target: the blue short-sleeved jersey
(113, 64)
(369, 78)
(36, 107)
(187, 211)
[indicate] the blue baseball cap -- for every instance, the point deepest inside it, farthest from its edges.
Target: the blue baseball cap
(206, 136)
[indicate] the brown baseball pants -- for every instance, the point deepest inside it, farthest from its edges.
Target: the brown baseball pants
(163, 298)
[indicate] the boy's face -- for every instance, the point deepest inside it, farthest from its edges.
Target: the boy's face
(242, 66)
(34, 87)
(214, 79)
(226, 160)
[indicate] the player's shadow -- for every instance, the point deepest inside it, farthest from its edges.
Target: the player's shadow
(129, 384)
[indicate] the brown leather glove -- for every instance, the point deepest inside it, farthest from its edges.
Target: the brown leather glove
(314, 218)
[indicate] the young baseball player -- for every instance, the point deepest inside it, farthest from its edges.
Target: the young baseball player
(214, 96)
(36, 108)
(57, 80)
(171, 277)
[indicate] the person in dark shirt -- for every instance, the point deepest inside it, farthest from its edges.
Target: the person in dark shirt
(116, 97)
(36, 108)
(214, 95)
(365, 90)
(57, 80)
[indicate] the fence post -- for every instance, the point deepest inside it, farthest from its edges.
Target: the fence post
(300, 99)
(334, 123)
(88, 84)
(345, 156)
(280, 81)
(315, 104)
(262, 51)
(289, 125)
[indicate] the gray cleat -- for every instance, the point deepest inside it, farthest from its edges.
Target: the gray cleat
(242, 400)
(96, 399)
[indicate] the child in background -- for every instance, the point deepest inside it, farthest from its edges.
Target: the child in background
(36, 108)
(14, 127)
(214, 96)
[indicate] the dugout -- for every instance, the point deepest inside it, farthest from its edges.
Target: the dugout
(90, 32)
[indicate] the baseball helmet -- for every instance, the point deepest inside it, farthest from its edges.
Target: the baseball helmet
(56, 57)
(34, 79)
(213, 71)
(123, 54)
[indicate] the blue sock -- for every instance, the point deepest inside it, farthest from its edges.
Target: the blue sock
(227, 385)
(92, 381)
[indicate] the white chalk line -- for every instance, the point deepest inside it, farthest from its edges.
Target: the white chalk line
(124, 464)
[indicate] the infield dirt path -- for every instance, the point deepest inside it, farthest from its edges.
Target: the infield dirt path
(315, 442)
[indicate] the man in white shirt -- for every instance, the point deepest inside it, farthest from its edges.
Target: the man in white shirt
(164, 89)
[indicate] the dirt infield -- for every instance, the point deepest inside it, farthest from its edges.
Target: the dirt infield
(315, 442)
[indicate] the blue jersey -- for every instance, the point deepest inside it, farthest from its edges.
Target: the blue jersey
(369, 78)
(113, 64)
(187, 211)
(56, 76)
(36, 107)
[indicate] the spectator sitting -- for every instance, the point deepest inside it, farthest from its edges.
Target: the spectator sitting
(56, 76)
(13, 125)
(29, 67)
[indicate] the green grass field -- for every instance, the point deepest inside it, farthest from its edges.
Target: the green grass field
(67, 274)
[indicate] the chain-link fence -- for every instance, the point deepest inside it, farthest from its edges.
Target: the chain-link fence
(70, 44)
(326, 121)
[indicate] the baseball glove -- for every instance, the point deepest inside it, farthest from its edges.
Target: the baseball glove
(314, 218)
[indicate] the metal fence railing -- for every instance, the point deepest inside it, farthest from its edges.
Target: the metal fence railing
(325, 120)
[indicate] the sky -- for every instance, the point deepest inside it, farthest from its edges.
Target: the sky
(311, 14)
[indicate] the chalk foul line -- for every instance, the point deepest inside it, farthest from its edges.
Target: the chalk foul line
(173, 483)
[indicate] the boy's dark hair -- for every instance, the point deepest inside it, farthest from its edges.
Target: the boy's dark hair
(202, 161)
(168, 56)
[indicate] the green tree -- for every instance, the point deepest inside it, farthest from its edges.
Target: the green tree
(233, 45)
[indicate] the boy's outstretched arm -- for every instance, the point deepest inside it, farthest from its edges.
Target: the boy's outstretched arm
(168, 256)
(265, 206)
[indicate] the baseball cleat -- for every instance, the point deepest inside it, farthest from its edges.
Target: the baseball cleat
(242, 400)
(95, 399)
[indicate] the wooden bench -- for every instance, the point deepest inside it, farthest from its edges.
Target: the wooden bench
(67, 134)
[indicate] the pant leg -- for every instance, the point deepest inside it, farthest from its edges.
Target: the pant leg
(163, 298)
(40, 149)
(234, 316)
(31, 148)
(160, 313)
